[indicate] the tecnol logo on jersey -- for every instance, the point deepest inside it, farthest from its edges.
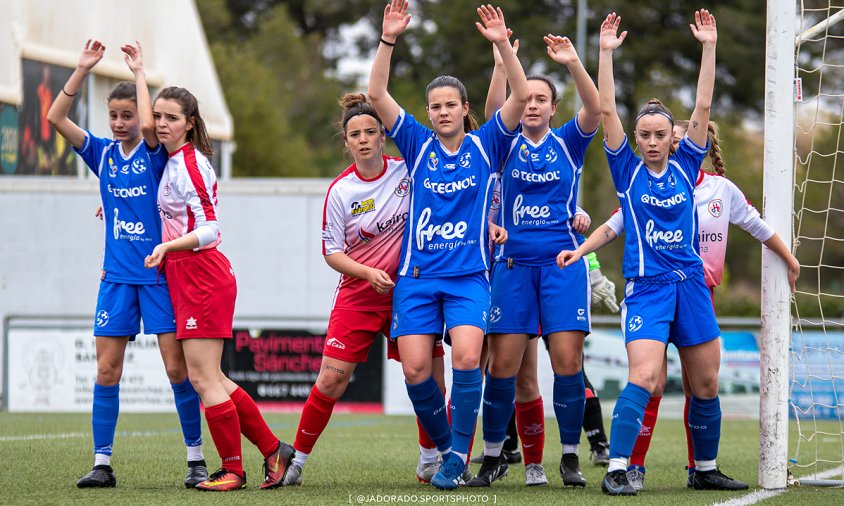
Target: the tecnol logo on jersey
(454, 186)
(126, 193)
(545, 177)
(425, 233)
(135, 229)
(666, 203)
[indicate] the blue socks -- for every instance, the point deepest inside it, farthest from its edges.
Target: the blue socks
(104, 417)
(705, 426)
(627, 420)
(499, 395)
(429, 405)
(187, 405)
(465, 404)
(569, 405)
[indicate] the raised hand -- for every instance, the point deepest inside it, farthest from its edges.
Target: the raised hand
(704, 28)
(560, 49)
(493, 28)
(396, 18)
(610, 40)
(496, 55)
(91, 55)
(133, 56)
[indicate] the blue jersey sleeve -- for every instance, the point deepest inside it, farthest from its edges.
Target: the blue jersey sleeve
(92, 152)
(409, 135)
(159, 158)
(622, 162)
(496, 140)
(690, 157)
(576, 140)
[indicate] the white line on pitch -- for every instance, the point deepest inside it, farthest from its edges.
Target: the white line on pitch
(761, 495)
(37, 437)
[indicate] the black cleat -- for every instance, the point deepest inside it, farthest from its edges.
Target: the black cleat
(197, 473)
(715, 480)
(600, 455)
(492, 468)
(615, 483)
(570, 471)
(512, 457)
(690, 483)
(99, 477)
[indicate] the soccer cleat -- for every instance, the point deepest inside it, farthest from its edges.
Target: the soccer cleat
(715, 480)
(466, 476)
(615, 483)
(478, 460)
(223, 480)
(535, 475)
(600, 455)
(275, 466)
(450, 473)
(493, 468)
(570, 471)
(690, 482)
(512, 457)
(100, 477)
(293, 477)
(424, 472)
(636, 478)
(197, 473)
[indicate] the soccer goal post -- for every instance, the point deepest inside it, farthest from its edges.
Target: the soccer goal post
(802, 355)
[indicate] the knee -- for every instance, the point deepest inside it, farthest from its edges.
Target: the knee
(415, 373)
(502, 367)
(569, 365)
(467, 361)
(332, 385)
(526, 390)
(108, 374)
(644, 380)
(706, 388)
(177, 372)
(659, 386)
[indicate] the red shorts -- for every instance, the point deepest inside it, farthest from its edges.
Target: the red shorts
(393, 350)
(203, 290)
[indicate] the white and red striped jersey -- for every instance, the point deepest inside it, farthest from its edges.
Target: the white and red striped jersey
(365, 219)
(719, 202)
(187, 198)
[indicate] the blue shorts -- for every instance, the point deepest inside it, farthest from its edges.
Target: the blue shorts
(427, 305)
(120, 308)
(679, 312)
(527, 296)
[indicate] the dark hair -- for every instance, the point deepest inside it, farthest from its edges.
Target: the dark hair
(469, 121)
(655, 106)
(198, 135)
(124, 90)
(547, 80)
(713, 135)
(355, 104)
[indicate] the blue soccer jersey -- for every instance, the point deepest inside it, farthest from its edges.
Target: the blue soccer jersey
(660, 222)
(539, 194)
(129, 190)
(446, 233)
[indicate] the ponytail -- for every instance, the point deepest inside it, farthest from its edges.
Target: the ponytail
(715, 156)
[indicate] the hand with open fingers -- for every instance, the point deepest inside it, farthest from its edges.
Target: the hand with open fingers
(91, 55)
(380, 280)
(497, 234)
(133, 56)
(496, 55)
(154, 259)
(704, 28)
(603, 291)
(493, 28)
(581, 223)
(396, 19)
(568, 257)
(610, 39)
(560, 49)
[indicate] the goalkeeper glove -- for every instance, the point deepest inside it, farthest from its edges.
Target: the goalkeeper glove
(603, 291)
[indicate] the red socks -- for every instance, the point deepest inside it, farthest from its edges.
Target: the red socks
(643, 442)
(315, 417)
(224, 426)
(252, 424)
(689, 443)
(530, 423)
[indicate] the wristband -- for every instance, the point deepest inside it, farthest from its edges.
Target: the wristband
(68, 94)
(391, 44)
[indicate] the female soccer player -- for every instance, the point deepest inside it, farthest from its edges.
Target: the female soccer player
(364, 219)
(203, 291)
(666, 296)
(539, 184)
(442, 271)
(129, 167)
(719, 202)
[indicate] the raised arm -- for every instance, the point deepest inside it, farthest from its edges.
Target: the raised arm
(134, 58)
(497, 94)
(494, 29)
(395, 21)
(57, 115)
(610, 40)
(562, 51)
(705, 32)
